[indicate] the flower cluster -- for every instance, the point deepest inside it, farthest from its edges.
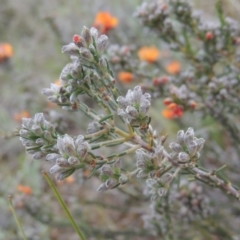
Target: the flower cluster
(71, 155)
(211, 49)
(120, 57)
(150, 164)
(134, 107)
(112, 176)
(38, 136)
(187, 148)
(209, 84)
(193, 204)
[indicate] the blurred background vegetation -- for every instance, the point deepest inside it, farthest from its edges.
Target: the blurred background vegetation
(37, 30)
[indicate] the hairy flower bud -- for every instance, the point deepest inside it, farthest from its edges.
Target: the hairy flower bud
(86, 34)
(102, 42)
(188, 136)
(180, 137)
(71, 49)
(183, 157)
(175, 147)
(85, 53)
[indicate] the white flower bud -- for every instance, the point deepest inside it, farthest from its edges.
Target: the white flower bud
(73, 160)
(132, 111)
(180, 137)
(94, 32)
(175, 147)
(192, 148)
(65, 174)
(38, 155)
(37, 130)
(106, 170)
(183, 157)
(40, 141)
(102, 42)
(189, 135)
(102, 188)
(27, 123)
(24, 133)
(85, 53)
(144, 106)
(39, 119)
(71, 49)
(56, 169)
(86, 34)
(62, 162)
(200, 143)
(110, 183)
(123, 179)
(52, 156)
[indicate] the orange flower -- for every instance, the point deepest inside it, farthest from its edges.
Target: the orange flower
(57, 82)
(23, 114)
(70, 179)
(6, 51)
(24, 189)
(173, 67)
(125, 77)
(172, 111)
(104, 21)
(148, 54)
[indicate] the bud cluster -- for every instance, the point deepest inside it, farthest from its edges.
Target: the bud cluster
(157, 14)
(121, 57)
(187, 148)
(71, 155)
(134, 107)
(112, 176)
(149, 164)
(210, 47)
(192, 202)
(38, 136)
(80, 77)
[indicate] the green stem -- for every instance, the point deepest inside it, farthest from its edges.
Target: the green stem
(63, 205)
(108, 143)
(16, 218)
(168, 219)
(96, 134)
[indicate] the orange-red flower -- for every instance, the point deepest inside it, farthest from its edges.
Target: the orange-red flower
(172, 111)
(24, 189)
(104, 22)
(125, 77)
(23, 114)
(6, 51)
(173, 67)
(209, 35)
(160, 80)
(148, 54)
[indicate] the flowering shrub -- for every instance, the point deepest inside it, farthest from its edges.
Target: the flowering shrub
(122, 122)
